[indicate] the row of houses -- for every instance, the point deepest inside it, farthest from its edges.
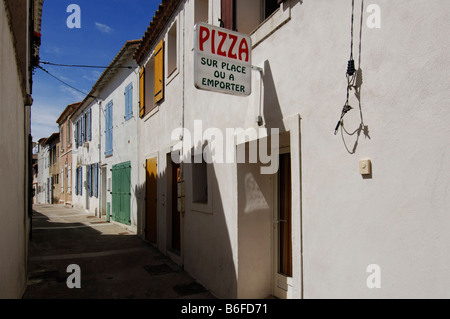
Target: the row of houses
(376, 193)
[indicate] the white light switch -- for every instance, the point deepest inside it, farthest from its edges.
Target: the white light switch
(365, 167)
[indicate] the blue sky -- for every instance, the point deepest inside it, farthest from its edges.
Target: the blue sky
(105, 27)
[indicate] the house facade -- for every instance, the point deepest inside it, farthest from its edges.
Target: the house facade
(346, 203)
(85, 155)
(105, 154)
(53, 179)
(20, 22)
(117, 91)
(43, 171)
(65, 159)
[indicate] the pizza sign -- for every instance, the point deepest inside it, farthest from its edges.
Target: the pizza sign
(222, 60)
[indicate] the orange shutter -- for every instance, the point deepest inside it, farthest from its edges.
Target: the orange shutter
(159, 72)
(142, 92)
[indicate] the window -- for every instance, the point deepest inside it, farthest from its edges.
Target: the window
(172, 49)
(200, 182)
(201, 11)
(109, 129)
(246, 16)
(151, 81)
(129, 102)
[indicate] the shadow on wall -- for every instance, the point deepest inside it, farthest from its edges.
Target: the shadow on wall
(205, 247)
(272, 110)
(355, 85)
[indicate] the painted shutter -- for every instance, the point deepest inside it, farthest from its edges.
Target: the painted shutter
(129, 102)
(142, 92)
(83, 129)
(89, 180)
(80, 184)
(76, 134)
(96, 180)
(109, 129)
(228, 18)
(159, 72)
(89, 114)
(76, 182)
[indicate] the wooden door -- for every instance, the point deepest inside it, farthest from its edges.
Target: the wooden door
(151, 229)
(283, 281)
(285, 217)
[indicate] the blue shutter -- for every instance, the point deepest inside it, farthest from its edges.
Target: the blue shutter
(76, 179)
(109, 129)
(129, 102)
(90, 125)
(89, 179)
(96, 180)
(82, 130)
(76, 134)
(81, 181)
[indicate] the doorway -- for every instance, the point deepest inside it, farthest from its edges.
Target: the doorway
(103, 191)
(282, 239)
(151, 207)
(176, 214)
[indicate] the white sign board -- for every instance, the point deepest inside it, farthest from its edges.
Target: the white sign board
(222, 60)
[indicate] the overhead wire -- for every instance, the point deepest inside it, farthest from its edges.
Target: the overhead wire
(65, 83)
(85, 66)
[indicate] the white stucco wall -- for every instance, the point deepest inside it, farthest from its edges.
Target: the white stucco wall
(13, 137)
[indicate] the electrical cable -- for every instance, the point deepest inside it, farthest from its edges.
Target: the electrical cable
(351, 71)
(85, 66)
(72, 87)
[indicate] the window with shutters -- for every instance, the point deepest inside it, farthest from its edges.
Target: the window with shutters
(246, 16)
(151, 82)
(128, 102)
(109, 129)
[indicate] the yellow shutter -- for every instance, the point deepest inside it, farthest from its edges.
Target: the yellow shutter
(142, 92)
(159, 72)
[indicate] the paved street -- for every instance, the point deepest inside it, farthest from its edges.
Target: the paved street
(114, 263)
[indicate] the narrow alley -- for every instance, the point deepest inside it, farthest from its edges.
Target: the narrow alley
(114, 263)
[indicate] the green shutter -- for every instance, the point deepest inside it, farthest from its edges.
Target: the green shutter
(121, 193)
